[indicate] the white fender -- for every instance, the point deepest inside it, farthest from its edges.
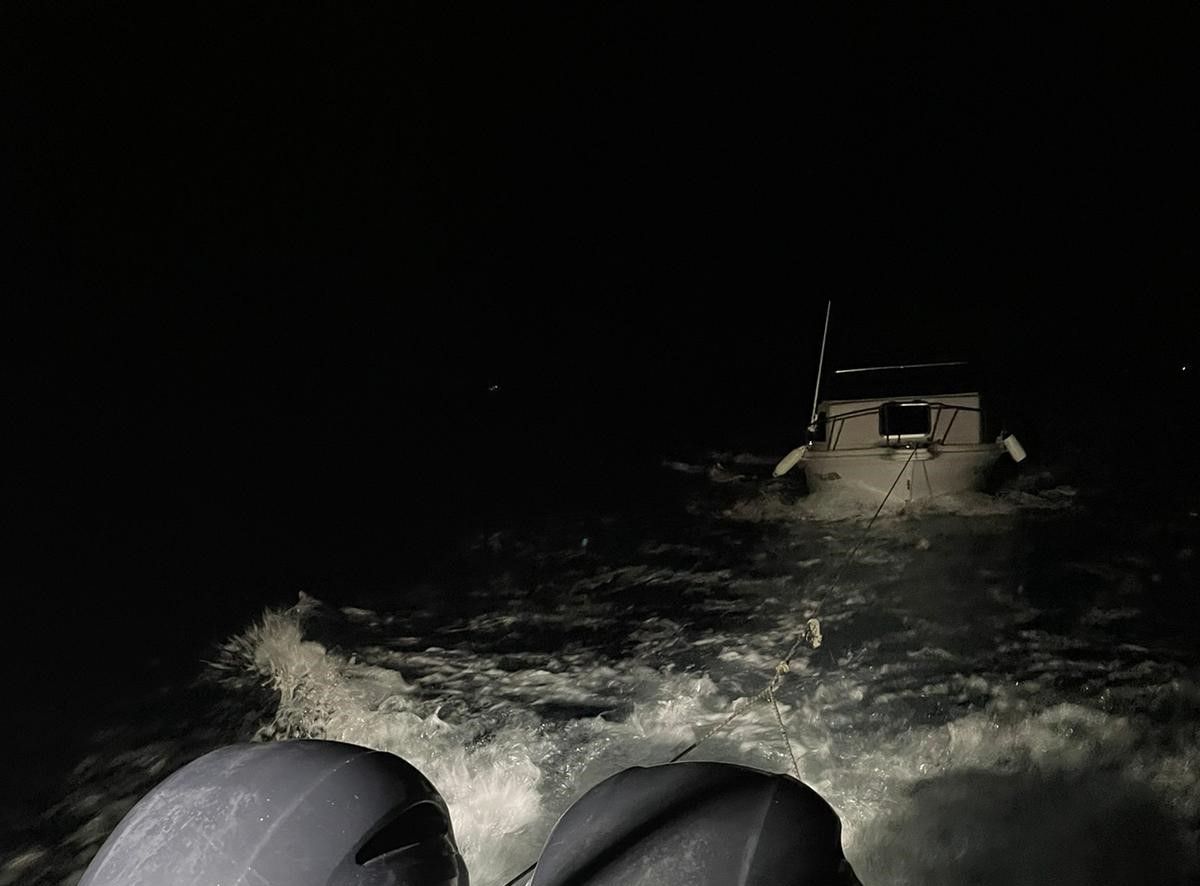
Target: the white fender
(1014, 447)
(789, 461)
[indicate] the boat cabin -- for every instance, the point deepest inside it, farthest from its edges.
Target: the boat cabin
(899, 406)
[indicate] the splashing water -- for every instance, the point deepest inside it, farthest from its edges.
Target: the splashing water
(977, 712)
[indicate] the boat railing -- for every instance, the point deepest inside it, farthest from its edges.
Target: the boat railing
(833, 425)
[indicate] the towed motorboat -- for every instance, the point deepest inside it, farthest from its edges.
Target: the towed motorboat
(896, 435)
(908, 431)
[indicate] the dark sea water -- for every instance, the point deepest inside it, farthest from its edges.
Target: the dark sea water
(1007, 691)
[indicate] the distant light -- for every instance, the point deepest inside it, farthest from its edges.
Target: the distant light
(1183, 368)
(493, 388)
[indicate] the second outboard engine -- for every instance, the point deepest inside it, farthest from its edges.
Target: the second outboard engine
(696, 824)
(300, 813)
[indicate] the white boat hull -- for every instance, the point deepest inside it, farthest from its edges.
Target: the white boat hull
(924, 474)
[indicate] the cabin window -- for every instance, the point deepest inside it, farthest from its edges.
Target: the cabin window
(904, 419)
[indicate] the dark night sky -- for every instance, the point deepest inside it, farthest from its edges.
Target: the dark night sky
(568, 182)
(256, 242)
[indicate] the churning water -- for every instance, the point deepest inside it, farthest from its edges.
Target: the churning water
(1006, 691)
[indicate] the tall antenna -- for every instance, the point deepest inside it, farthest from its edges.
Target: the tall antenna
(820, 364)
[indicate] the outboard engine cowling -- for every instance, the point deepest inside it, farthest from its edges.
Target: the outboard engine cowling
(301, 813)
(696, 824)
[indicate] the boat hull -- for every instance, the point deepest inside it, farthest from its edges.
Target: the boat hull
(909, 475)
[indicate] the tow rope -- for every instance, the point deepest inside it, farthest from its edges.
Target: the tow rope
(810, 635)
